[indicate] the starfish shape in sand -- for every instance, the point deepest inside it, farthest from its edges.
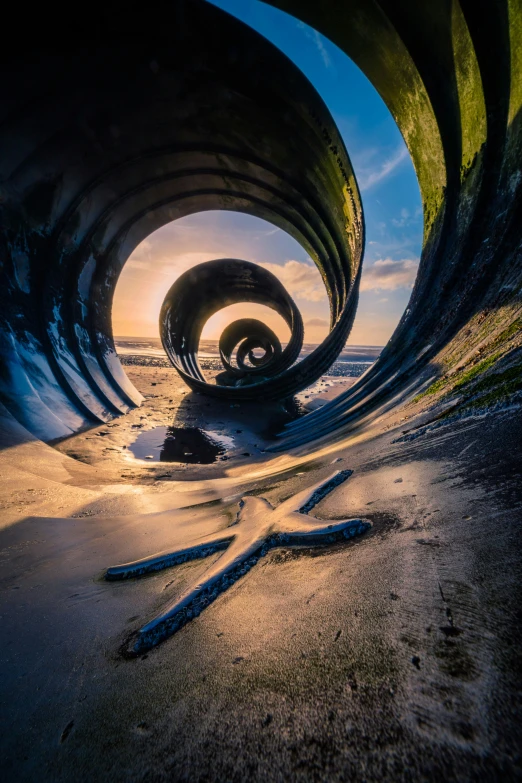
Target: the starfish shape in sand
(258, 527)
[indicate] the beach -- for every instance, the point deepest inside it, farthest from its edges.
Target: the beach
(180, 434)
(139, 446)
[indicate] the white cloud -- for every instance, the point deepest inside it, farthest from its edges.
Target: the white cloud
(271, 232)
(163, 263)
(403, 220)
(405, 246)
(322, 49)
(317, 322)
(318, 41)
(138, 263)
(301, 280)
(406, 219)
(369, 178)
(388, 275)
(140, 258)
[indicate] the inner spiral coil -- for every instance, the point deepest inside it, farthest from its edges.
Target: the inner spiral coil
(237, 345)
(202, 291)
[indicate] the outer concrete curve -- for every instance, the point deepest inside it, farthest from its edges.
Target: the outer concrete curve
(101, 147)
(454, 90)
(88, 172)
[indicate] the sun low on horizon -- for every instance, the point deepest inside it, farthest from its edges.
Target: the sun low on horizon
(178, 246)
(391, 202)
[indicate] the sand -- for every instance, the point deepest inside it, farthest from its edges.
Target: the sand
(168, 402)
(392, 655)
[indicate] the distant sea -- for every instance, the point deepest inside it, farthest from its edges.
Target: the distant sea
(148, 352)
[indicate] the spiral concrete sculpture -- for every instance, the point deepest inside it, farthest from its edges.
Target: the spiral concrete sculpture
(209, 287)
(104, 143)
(243, 337)
(393, 655)
(464, 134)
(130, 137)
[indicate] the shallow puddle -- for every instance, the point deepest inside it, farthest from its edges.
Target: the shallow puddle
(180, 444)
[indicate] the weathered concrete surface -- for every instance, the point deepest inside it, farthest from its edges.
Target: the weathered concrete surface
(394, 657)
(140, 123)
(397, 656)
(451, 74)
(106, 140)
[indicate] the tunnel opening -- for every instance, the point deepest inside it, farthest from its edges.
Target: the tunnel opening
(137, 194)
(113, 174)
(177, 247)
(383, 167)
(388, 277)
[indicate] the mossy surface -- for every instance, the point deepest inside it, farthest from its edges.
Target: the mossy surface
(435, 387)
(474, 372)
(497, 387)
(470, 381)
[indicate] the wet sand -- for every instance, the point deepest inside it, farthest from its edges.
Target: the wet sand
(247, 428)
(391, 656)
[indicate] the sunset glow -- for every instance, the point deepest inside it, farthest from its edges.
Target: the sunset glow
(391, 201)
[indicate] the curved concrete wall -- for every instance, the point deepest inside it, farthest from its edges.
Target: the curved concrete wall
(451, 74)
(131, 128)
(135, 118)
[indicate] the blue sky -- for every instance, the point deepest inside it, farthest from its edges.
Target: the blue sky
(389, 189)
